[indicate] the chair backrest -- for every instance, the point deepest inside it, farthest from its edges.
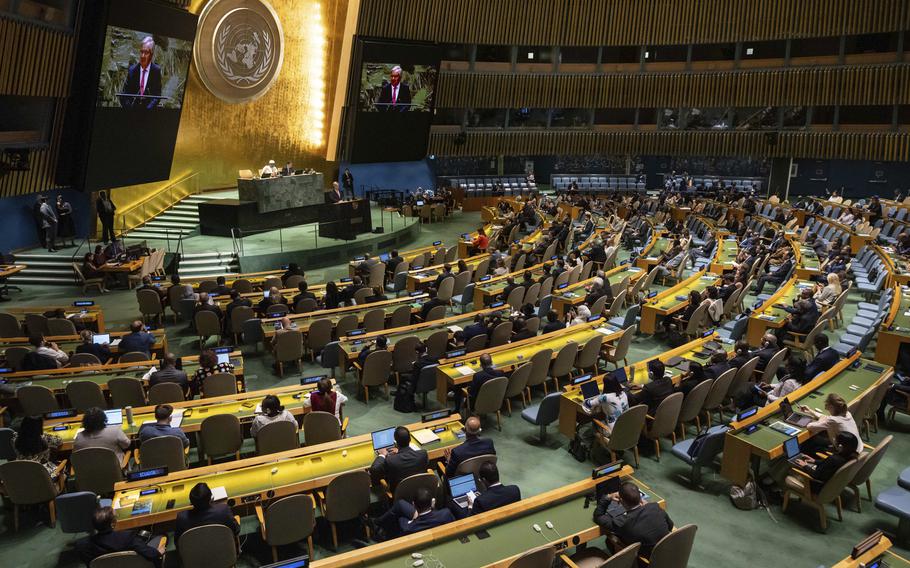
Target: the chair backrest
(220, 435)
(212, 546)
(436, 313)
(835, 486)
(587, 356)
(82, 359)
(9, 326)
(719, 390)
(540, 366)
(743, 377)
(360, 296)
(163, 393)
(36, 400)
(409, 485)
(548, 411)
(628, 428)
(404, 354)
(546, 287)
(277, 436)
(207, 323)
(288, 345)
(625, 341)
(126, 391)
(149, 303)
(476, 343)
(27, 482)
(625, 558)
(516, 296)
(870, 460)
(666, 416)
(14, 356)
(376, 368)
(462, 279)
(36, 323)
(239, 315)
(539, 558)
(532, 294)
(451, 253)
(695, 401)
(163, 451)
(346, 324)
(673, 550)
(320, 427)
(565, 360)
(597, 307)
(518, 380)
(347, 496)
(84, 395)
(446, 289)
(74, 511)
(219, 384)
(491, 395)
(697, 320)
(426, 380)
(437, 343)
(97, 470)
(501, 334)
(319, 334)
(242, 285)
(400, 317)
(127, 559)
(472, 465)
(374, 320)
(773, 364)
(63, 326)
(290, 519)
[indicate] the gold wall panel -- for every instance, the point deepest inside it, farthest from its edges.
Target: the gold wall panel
(854, 85)
(626, 22)
(289, 122)
(878, 146)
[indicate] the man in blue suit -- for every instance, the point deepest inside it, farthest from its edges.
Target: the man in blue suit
(472, 447)
(143, 79)
(408, 518)
(496, 495)
(825, 357)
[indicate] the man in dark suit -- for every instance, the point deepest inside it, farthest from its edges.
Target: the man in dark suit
(446, 273)
(408, 518)
(143, 79)
(486, 373)
(430, 304)
(207, 305)
(347, 294)
(476, 328)
(288, 169)
(472, 446)
(400, 462)
(766, 351)
(719, 365)
(347, 182)
(553, 322)
(775, 277)
(625, 516)
(395, 96)
(88, 345)
(392, 263)
(236, 301)
(221, 287)
(656, 389)
(137, 340)
(169, 373)
(496, 495)
(107, 540)
(825, 357)
(334, 194)
(303, 293)
(204, 512)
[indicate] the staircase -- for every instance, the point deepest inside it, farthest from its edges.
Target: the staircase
(45, 268)
(181, 220)
(208, 263)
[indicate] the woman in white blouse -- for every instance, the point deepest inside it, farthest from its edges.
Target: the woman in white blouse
(272, 411)
(827, 294)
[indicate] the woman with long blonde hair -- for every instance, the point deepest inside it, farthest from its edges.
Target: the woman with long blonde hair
(827, 294)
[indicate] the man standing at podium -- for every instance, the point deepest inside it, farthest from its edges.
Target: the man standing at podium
(335, 194)
(143, 79)
(395, 96)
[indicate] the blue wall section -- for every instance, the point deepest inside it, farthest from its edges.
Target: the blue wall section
(857, 178)
(18, 228)
(402, 176)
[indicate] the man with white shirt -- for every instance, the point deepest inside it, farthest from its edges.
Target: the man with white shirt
(395, 95)
(143, 79)
(269, 170)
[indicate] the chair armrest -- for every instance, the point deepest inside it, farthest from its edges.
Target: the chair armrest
(260, 514)
(643, 560)
(163, 544)
(357, 366)
(320, 499)
(649, 417)
(801, 472)
(60, 472)
(600, 425)
(126, 459)
(442, 468)
(344, 427)
(567, 561)
(3, 410)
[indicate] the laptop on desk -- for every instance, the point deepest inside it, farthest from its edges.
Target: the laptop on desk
(590, 390)
(791, 450)
(793, 417)
(460, 486)
(383, 439)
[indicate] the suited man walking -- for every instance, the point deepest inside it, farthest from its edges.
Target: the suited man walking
(48, 223)
(400, 462)
(143, 79)
(395, 95)
(472, 447)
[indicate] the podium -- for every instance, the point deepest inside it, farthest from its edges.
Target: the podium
(345, 219)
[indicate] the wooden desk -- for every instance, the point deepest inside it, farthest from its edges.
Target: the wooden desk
(485, 292)
(656, 247)
(304, 321)
(573, 295)
(7, 270)
(742, 450)
(92, 317)
(673, 300)
(882, 550)
(509, 527)
(895, 329)
(242, 405)
(727, 251)
(69, 343)
(269, 476)
(571, 408)
(458, 372)
(771, 314)
(426, 276)
(807, 263)
(407, 255)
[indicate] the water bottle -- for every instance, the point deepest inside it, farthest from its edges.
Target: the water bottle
(129, 415)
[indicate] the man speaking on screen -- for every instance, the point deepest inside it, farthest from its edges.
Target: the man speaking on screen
(143, 79)
(395, 95)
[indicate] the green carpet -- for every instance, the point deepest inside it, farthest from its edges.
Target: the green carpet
(726, 536)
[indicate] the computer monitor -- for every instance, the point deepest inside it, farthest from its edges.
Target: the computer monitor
(224, 358)
(620, 375)
(383, 438)
(460, 485)
(384, 257)
(101, 338)
(114, 416)
(265, 293)
(791, 447)
(590, 389)
(786, 408)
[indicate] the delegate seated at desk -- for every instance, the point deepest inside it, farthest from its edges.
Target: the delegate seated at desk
(624, 515)
(472, 446)
(496, 494)
(399, 462)
(204, 512)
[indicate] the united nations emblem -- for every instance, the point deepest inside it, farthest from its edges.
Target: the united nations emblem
(239, 48)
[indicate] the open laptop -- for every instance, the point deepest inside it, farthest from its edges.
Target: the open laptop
(791, 449)
(590, 390)
(114, 416)
(383, 439)
(101, 338)
(224, 358)
(793, 417)
(460, 486)
(621, 376)
(384, 257)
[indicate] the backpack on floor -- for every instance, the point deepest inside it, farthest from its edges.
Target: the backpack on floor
(404, 399)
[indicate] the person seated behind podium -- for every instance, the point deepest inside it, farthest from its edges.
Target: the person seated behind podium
(269, 170)
(208, 366)
(347, 294)
(326, 399)
(695, 375)
(392, 263)
(381, 344)
(820, 470)
(100, 350)
(221, 287)
(334, 195)
(496, 495)
(147, 285)
(366, 265)
(237, 301)
(97, 434)
(169, 373)
(377, 296)
(288, 169)
(625, 516)
(825, 357)
(520, 330)
(303, 293)
(487, 372)
(332, 297)
(275, 298)
(430, 304)
(553, 322)
(394, 464)
(106, 540)
(92, 269)
(480, 243)
(162, 426)
(206, 304)
(656, 389)
(272, 411)
(472, 446)
(204, 512)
